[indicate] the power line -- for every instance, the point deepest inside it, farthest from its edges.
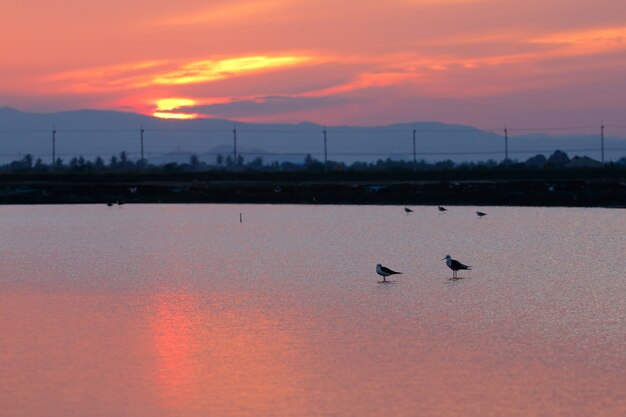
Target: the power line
(379, 153)
(337, 130)
(54, 135)
(24, 131)
(538, 129)
(235, 143)
(325, 151)
(189, 130)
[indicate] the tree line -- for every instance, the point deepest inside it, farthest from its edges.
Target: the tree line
(122, 163)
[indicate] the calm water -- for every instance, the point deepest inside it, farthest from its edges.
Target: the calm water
(180, 310)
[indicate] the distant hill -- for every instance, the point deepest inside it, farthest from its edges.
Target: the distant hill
(94, 133)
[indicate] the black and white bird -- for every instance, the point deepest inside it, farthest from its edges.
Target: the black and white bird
(480, 214)
(408, 210)
(455, 265)
(441, 208)
(384, 272)
(110, 203)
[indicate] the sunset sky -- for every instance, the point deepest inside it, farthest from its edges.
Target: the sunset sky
(364, 62)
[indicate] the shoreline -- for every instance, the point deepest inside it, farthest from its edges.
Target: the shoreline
(609, 193)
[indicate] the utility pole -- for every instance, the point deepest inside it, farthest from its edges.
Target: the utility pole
(54, 140)
(414, 153)
(141, 137)
(235, 144)
(602, 139)
(506, 143)
(325, 151)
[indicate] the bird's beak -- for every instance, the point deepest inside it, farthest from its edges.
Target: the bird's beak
(443, 259)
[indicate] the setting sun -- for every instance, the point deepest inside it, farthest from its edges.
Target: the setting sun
(476, 62)
(199, 196)
(181, 116)
(164, 107)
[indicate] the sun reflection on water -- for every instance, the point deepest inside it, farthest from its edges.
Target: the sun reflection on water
(213, 356)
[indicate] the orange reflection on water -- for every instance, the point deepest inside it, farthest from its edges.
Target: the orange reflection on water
(72, 353)
(173, 341)
(215, 357)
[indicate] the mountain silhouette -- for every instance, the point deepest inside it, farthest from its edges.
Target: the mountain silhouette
(92, 133)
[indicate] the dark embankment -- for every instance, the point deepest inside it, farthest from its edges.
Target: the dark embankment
(592, 188)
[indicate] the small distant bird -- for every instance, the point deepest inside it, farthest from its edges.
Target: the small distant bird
(480, 214)
(110, 203)
(455, 265)
(441, 208)
(120, 203)
(132, 190)
(278, 190)
(408, 210)
(384, 272)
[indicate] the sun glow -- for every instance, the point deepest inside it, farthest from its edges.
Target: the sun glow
(167, 104)
(164, 107)
(180, 116)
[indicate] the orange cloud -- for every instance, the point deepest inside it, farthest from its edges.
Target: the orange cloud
(586, 41)
(156, 73)
(442, 2)
(205, 71)
(107, 78)
(108, 70)
(224, 14)
(366, 80)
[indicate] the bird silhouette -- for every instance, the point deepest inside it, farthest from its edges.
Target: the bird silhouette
(455, 265)
(384, 272)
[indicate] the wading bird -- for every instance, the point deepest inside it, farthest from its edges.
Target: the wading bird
(441, 208)
(480, 214)
(455, 265)
(408, 210)
(384, 272)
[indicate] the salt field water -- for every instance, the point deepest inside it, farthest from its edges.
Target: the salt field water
(181, 310)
